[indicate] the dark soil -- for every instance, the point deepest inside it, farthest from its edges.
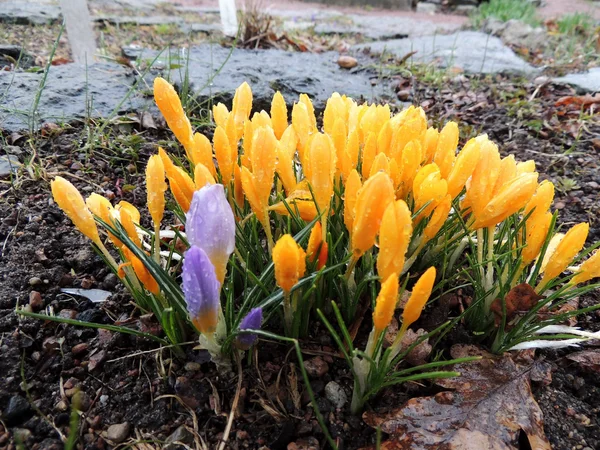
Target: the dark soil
(119, 379)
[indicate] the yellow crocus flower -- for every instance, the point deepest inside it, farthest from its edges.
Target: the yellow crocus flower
(588, 270)
(418, 298)
(570, 245)
(279, 115)
(385, 305)
(430, 143)
(437, 220)
(429, 188)
(336, 108)
(220, 114)
(537, 232)
(169, 104)
(381, 163)
(394, 237)
(463, 168)
(372, 201)
(241, 109)
(484, 177)
(510, 199)
(384, 138)
(155, 188)
(369, 153)
(68, 198)
(289, 262)
(202, 153)
(202, 176)
(316, 249)
(225, 154)
(353, 185)
(445, 152)
(181, 184)
(321, 155)
(540, 201)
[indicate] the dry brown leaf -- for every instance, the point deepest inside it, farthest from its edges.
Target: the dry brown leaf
(520, 299)
(491, 402)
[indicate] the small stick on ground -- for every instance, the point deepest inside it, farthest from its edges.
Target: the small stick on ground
(233, 405)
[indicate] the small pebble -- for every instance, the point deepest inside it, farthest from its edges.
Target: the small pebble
(335, 394)
(347, 62)
(192, 366)
(316, 367)
(35, 281)
(35, 300)
(118, 432)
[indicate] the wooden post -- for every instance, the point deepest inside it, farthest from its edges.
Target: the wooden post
(79, 30)
(229, 20)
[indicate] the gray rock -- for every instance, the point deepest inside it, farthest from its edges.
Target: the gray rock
(16, 410)
(64, 96)
(8, 165)
(381, 27)
(427, 8)
(516, 32)
(584, 82)
(11, 54)
(335, 394)
(29, 13)
(118, 432)
(267, 71)
(473, 51)
(180, 436)
(316, 367)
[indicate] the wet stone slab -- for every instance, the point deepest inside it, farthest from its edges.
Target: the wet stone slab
(585, 82)
(267, 71)
(371, 27)
(66, 93)
(472, 51)
(29, 13)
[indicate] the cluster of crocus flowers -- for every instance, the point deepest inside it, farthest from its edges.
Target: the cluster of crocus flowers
(395, 181)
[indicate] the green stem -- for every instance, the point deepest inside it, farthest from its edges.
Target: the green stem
(157, 243)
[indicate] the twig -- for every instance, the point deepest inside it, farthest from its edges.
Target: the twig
(233, 405)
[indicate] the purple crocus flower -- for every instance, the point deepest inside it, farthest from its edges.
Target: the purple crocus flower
(210, 225)
(252, 321)
(201, 289)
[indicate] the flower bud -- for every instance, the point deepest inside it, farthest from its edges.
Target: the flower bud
(68, 198)
(155, 188)
(289, 262)
(169, 104)
(418, 298)
(372, 201)
(279, 115)
(210, 225)
(567, 249)
(394, 236)
(385, 305)
(252, 321)
(201, 289)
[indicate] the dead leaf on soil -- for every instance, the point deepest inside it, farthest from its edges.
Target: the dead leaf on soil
(487, 409)
(587, 359)
(520, 299)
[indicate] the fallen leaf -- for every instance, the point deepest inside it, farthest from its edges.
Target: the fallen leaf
(489, 405)
(587, 359)
(578, 100)
(520, 299)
